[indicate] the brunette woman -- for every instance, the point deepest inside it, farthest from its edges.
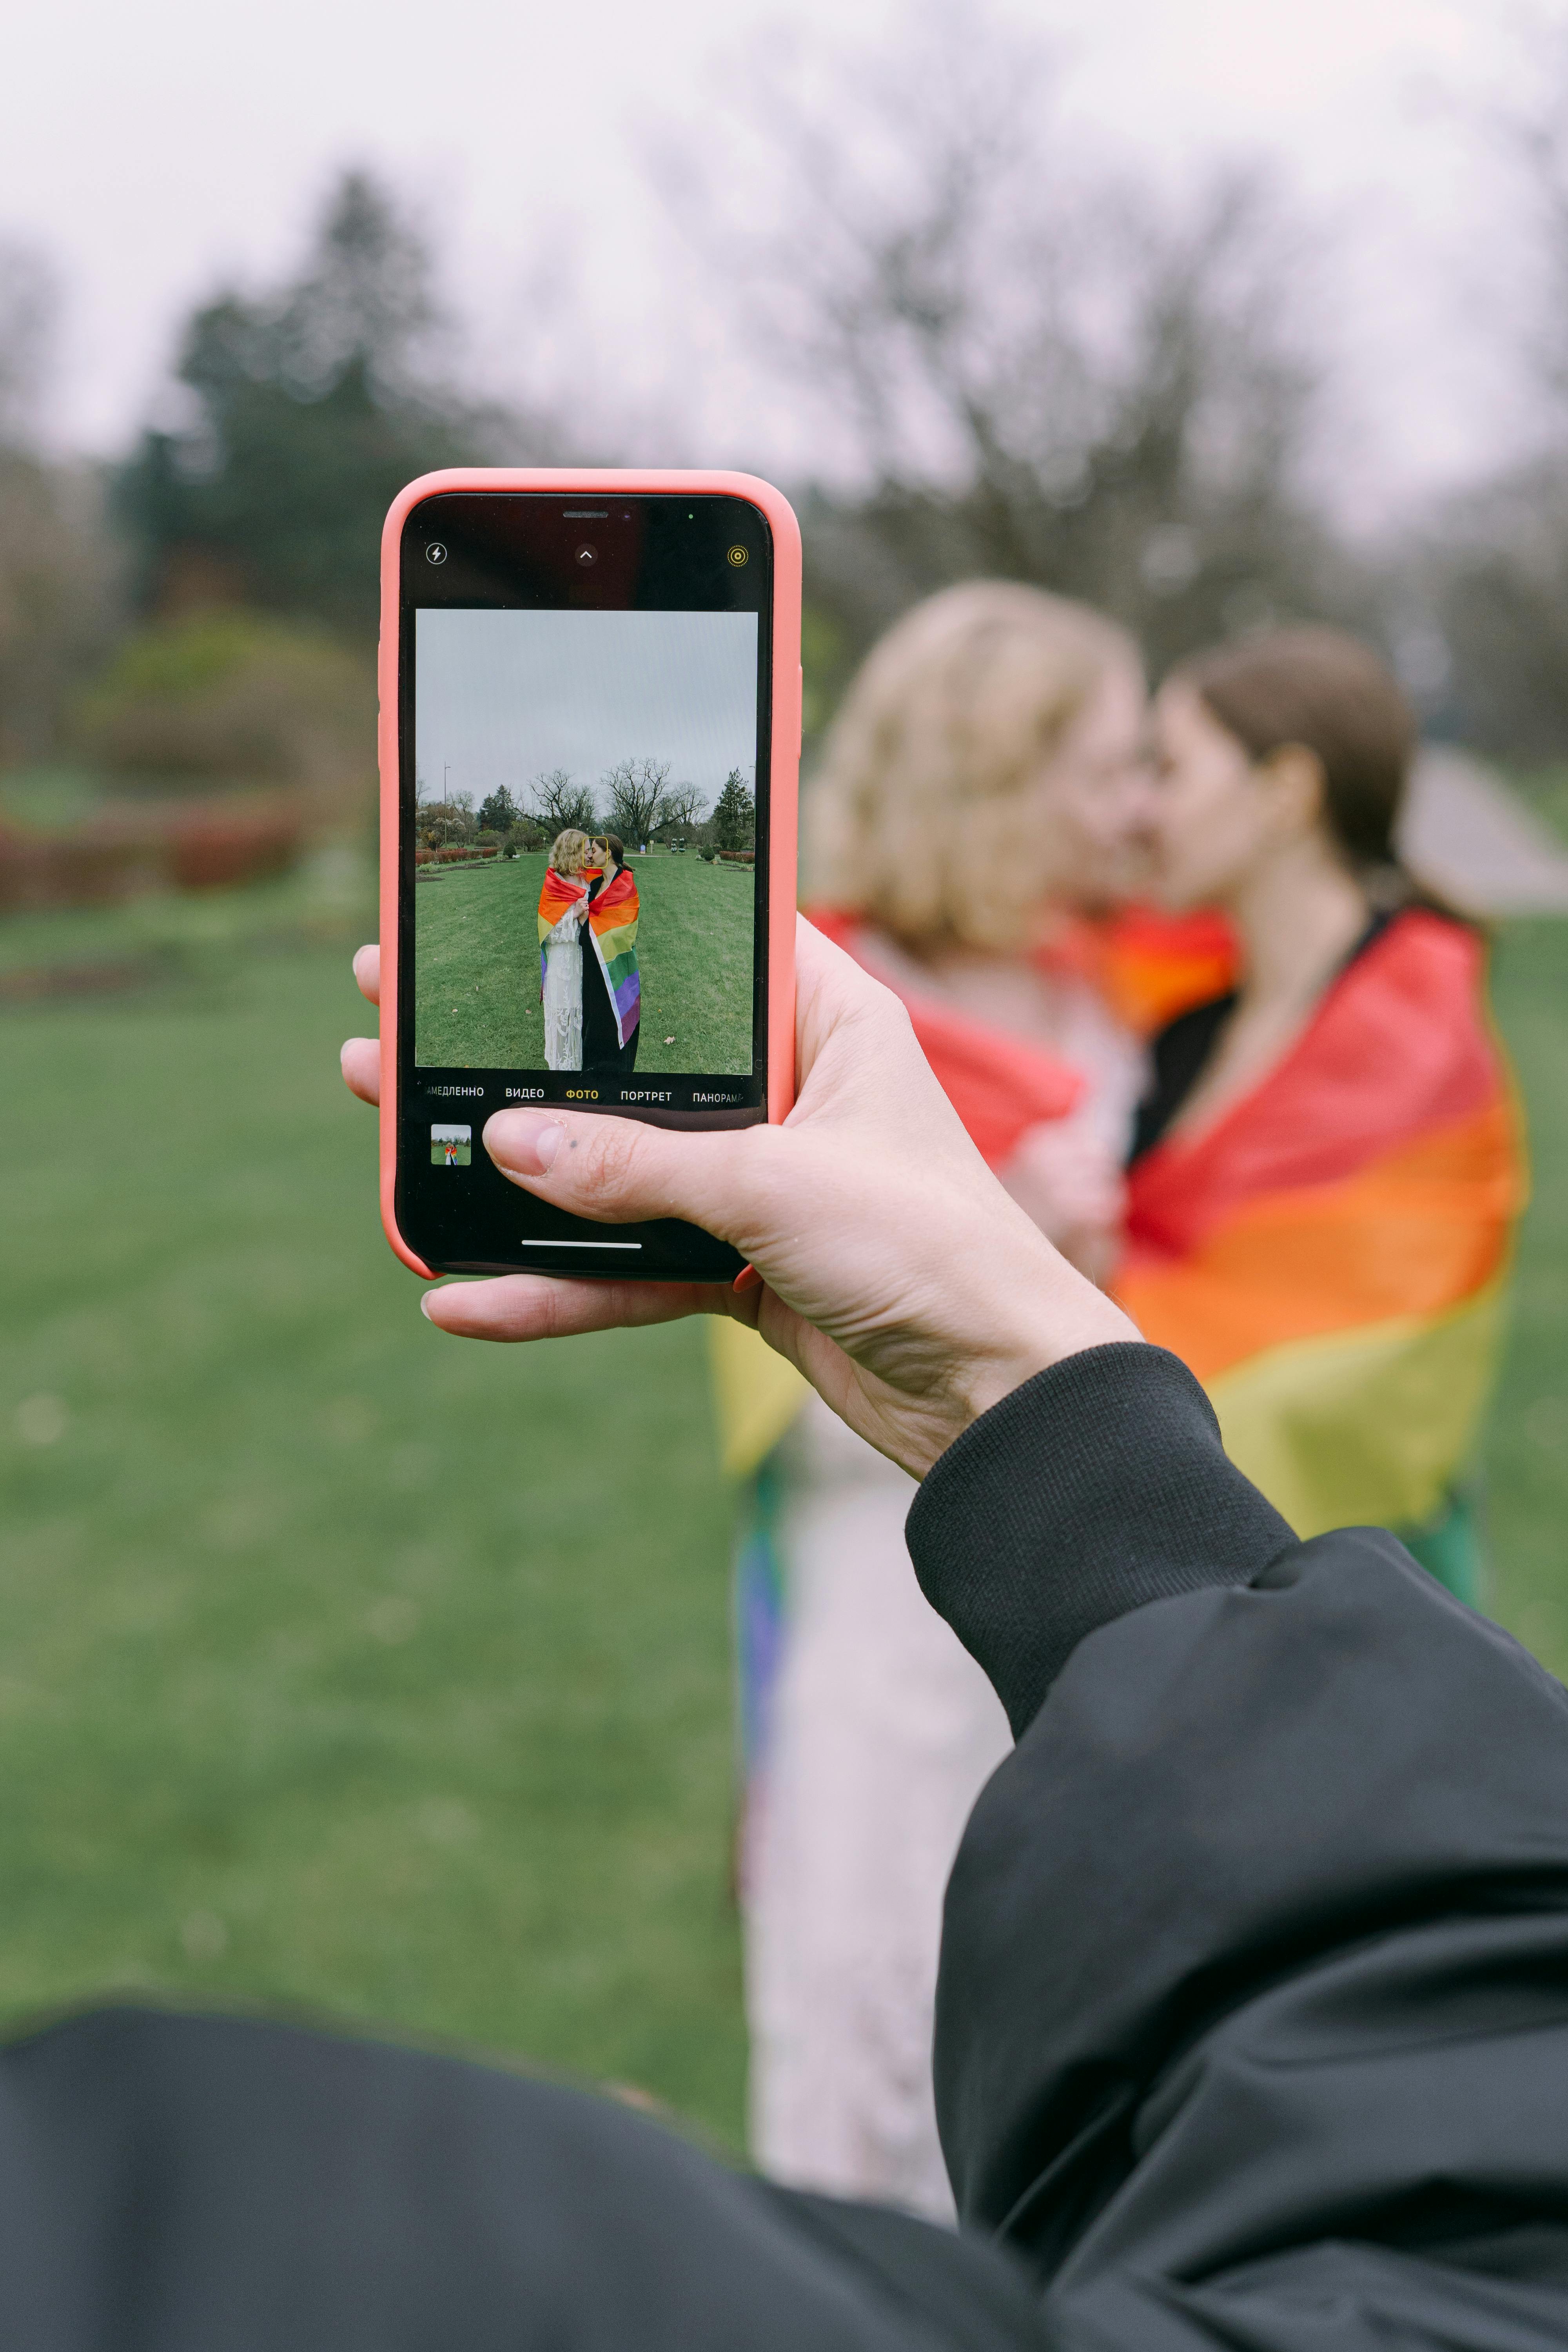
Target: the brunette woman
(1326, 1170)
(979, 784)
(612, 985)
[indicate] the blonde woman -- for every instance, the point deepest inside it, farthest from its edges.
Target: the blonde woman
(979, 789)
(563, 910)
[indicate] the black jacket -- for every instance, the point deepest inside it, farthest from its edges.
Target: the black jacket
(1252, 2027)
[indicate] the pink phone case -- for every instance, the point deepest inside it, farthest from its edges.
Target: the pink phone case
(785, 777)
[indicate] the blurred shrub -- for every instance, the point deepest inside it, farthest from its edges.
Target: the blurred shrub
(440, 822)
(228, 697)
(130, 849)
(222, 844)
(89, 868)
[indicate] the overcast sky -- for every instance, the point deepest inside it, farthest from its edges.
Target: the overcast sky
(157, 150)
(502, 698)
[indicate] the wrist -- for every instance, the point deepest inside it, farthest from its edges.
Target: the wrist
(1046, 1315)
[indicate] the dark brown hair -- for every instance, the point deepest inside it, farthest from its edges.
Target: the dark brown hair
(613, 843)
(1332, 696)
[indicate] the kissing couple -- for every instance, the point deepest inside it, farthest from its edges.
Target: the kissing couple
(593, 1004)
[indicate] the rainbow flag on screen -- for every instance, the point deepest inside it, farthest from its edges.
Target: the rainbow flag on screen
(613, 927)
(560, 895)
(1330, 1256)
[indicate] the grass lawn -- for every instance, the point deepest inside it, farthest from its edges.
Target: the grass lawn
(1527, 1452)
(478, 985)
(343, 1664)
(348, 1665)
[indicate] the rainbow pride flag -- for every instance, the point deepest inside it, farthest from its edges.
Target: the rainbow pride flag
(1330, 1256)
(999, 1085)
(1153, 966)
(613, 927)
(560, 895)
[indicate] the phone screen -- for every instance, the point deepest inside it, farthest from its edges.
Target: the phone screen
(584, 699)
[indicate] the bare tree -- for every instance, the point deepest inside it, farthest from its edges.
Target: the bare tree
(636, 797)
(560, 803)
(28, 303)
(1025, 368)
(684, 807)
(61, 577)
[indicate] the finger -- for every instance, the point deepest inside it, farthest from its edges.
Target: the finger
(361, 1061)
(367, 971)
(830, 987)
(618, 1171)
(855, 1046)
(545, 1306)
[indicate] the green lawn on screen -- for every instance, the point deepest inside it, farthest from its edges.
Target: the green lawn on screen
(477, 974)
(348, 1665)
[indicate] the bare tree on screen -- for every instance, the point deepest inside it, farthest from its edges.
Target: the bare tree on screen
(561, 804)
(684, 807)
(636, 797)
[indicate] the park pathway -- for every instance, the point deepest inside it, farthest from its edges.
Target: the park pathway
(1477, 842)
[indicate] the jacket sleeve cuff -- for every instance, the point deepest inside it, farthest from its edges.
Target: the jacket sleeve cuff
(1099, 1484)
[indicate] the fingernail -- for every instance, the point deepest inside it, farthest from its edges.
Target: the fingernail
(748, 1279)
(425, 1304)
(516, 1140)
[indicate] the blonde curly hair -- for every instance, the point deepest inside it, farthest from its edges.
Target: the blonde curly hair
(949, 717)
(570, 851)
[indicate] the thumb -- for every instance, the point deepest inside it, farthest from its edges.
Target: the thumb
(621, 1171)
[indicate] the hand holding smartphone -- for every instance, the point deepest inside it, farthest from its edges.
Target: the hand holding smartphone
(604, 668)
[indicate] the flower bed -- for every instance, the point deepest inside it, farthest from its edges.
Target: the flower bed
(454, 855)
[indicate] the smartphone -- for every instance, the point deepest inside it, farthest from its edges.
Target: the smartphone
(590, 744)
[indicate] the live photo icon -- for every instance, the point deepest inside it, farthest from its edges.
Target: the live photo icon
(451, 1147)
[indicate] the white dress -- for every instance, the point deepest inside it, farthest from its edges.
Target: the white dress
(882, 1731)
(563, 994)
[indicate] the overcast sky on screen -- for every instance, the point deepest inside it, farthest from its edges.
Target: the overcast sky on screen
(154, 151)
(502, 698)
